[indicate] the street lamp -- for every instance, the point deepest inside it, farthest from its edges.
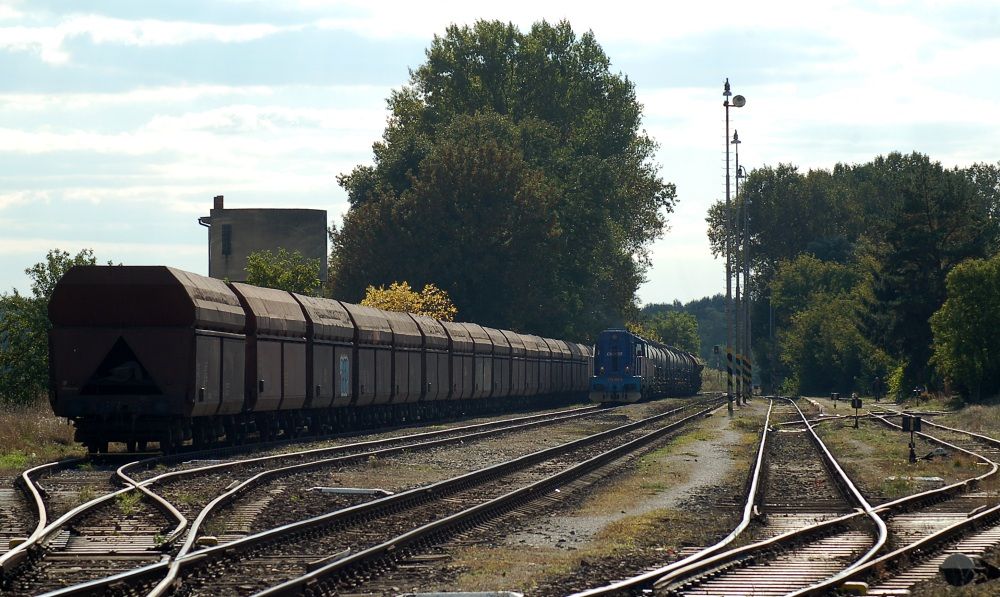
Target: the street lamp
(738, 102)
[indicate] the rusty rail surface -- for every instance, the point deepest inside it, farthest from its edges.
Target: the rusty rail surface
(646, 579)
(782, 542)
(322, 579)
(141, 575)
(896, 559)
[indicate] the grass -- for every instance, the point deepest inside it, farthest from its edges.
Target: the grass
(877, 458)
(713, 380)
(85, 495)
(31, 435)
(520, 567)
(663, 530)
(128, 502)
(981, 418)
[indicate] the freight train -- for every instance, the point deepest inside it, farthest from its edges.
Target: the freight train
(629, 368)
(144, 354)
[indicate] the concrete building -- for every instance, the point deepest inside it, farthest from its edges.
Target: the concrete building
(235, 233)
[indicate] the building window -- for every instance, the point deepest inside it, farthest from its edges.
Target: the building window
(227, 239)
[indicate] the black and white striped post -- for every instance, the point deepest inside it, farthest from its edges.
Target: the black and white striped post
(738, 102)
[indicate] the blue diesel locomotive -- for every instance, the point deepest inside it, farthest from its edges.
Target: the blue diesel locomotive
(629, 368)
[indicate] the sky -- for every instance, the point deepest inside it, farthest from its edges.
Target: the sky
(120, 120)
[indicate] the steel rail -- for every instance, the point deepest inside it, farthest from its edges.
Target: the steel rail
(647, 578)
(893, 558)
(790, 537)
(933, 542)
(28, 484)
(18, 553)
(883, 531)
(485, 429)
(396, 546)
(256, 480)
(13, 558)
(554, 415)
(402, 499)
(161, 503)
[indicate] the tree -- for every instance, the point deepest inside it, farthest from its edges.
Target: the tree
(925, 220)
(825, 349)
(431, 301)
(900, 221)
(677, 329)
(791, 213)
(966, 345)
(641, 328)
(514, 173)
(709, 314)
(284, 270)
(816, 304)
(799, 280)
(24, 327)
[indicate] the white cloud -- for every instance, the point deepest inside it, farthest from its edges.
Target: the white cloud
(48, 40)
(628, 20)
(149, 96)
(242, 118)
(15, 198)
(138, 252)
(9, 13)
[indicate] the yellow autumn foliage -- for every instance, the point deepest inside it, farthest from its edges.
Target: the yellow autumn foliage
(431, 301)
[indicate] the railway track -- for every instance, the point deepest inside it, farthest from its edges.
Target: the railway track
(356, 569)
(154, 544)
(969, 524)
(641, 584)
(803, 495)
(799, 534)
(193, 564)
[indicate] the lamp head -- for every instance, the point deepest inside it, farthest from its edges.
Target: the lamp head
(736, 138)
(739, 101)
(726, 91)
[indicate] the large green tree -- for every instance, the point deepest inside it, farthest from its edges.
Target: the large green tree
(24, 326)
(924, 220)
(903, 220)
(966, 343)
(677, 329)
(821, 342)
(515, 174)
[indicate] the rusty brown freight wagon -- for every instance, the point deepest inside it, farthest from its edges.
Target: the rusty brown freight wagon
(152, 353)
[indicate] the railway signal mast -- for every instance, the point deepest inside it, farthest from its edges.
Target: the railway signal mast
(738, 102)
(743, 352)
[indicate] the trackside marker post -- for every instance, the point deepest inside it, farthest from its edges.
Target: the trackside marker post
(912, 424)
(856, 405)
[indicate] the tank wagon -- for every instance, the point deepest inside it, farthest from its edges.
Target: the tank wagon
(153, 353)
(629, 368)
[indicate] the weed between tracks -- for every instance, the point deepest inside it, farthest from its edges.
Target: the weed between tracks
(662, 531)
(632, 519)
(128, 502)
(877, 459)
